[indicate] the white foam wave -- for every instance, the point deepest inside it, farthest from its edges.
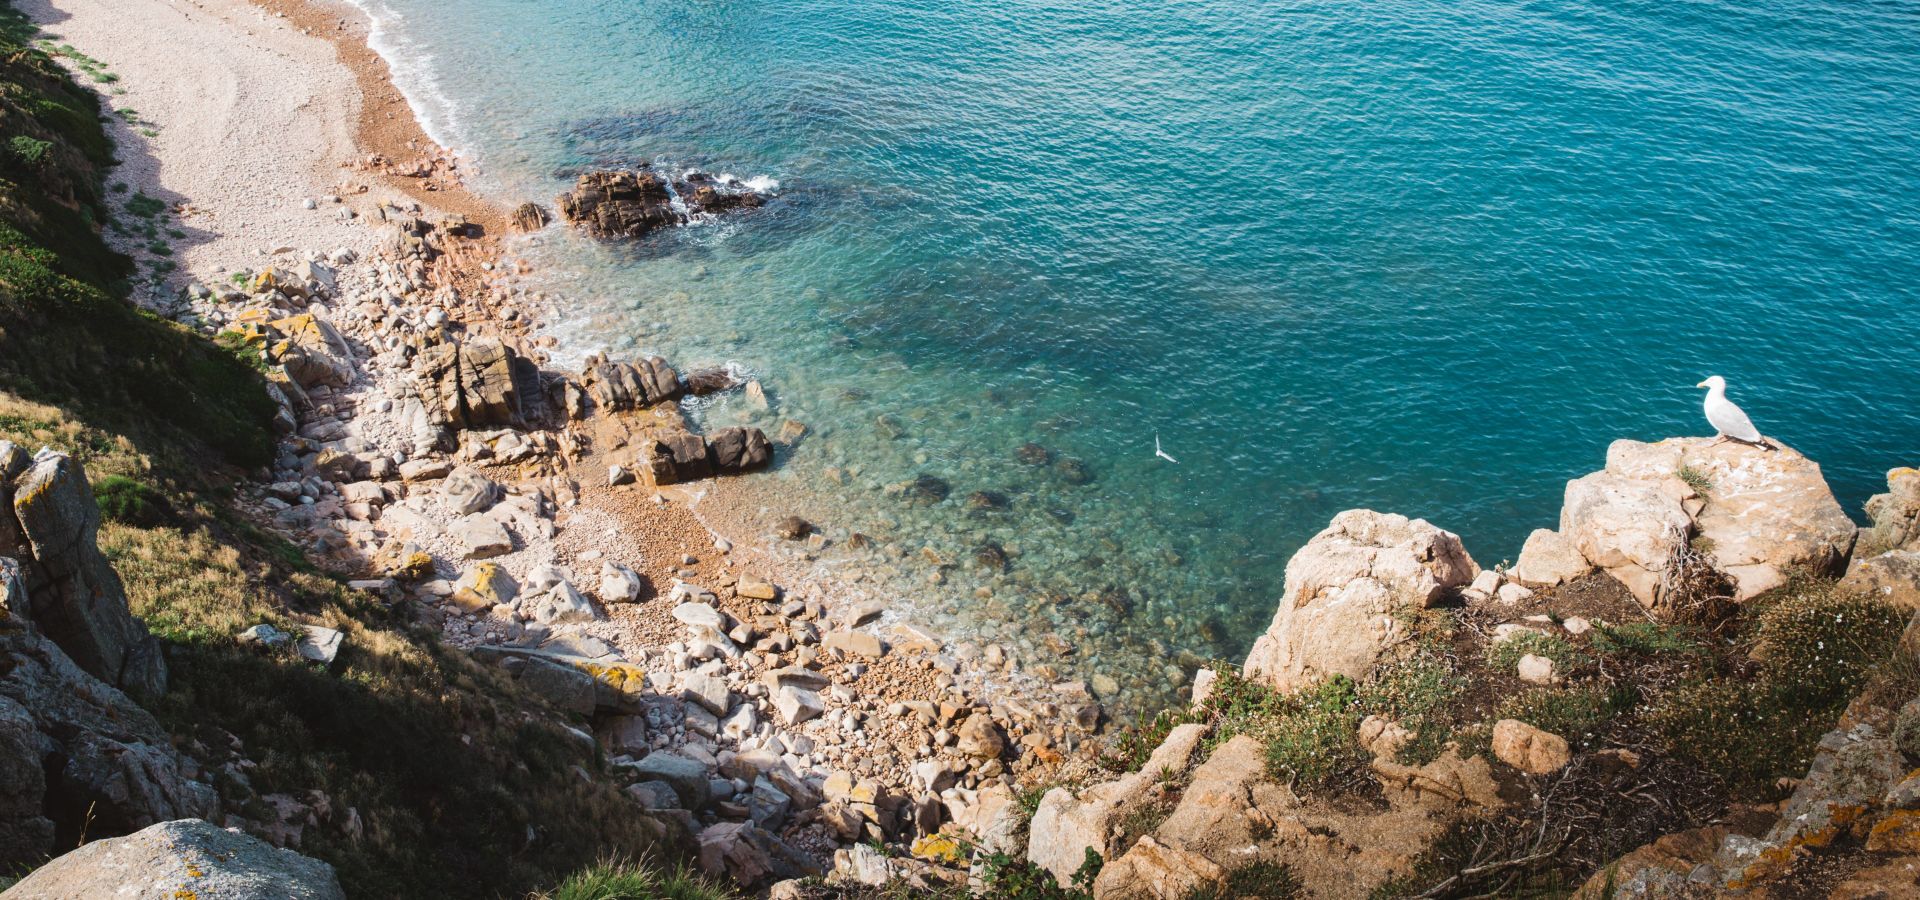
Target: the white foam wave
(411, 68)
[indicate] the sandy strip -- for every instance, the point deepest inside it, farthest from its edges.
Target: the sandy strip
(239, 116)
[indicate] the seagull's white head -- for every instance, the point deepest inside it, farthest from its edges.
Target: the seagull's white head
(1713, 382)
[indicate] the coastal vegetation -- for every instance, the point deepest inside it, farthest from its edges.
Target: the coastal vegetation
(429, 774)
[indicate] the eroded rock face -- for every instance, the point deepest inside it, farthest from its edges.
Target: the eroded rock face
(1893, 576)
(74, 750)
(619, 385)
(186, 858)
(1337, 615)
(633, 204)
(76, 597)
(1895, 514)
(1762, 513)
(682, 456)
(472, 385)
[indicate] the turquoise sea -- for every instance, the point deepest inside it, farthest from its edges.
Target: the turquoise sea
(1427, 256)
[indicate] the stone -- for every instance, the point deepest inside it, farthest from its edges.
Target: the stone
(981, 738)
(264, 635)
(797, 705)
(1345, 590)
(425, 469)
(687, 777)
(188, 858)
(1895, 514)
(629, 204)
(551, 600)
(795, 676)
(1529, 749)
(793, 528)
(1765, 512)
(1534, 669)
(858, 643)
(1548, 559)
(756, 590)
(531, 217)
(483, 586)
(700, 616)
(50, 522)
(708, 691)
(468, 492)
(1511, 594)
(320, 645)
(737, 450)
(619, 584)
(484, 538)
(471, 385)
(675, 459)
(1893, 576)
(560, 684)
(617, 386)
(654, 795)
(767, 805)
(312, 351)
(749, 855)
(1155, 870)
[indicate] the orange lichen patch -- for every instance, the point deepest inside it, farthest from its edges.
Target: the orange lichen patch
(1898, 832)
(1775, 861)
(619, 676)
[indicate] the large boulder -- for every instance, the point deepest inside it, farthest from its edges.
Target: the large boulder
(181, 859)
(616, 385)
(77, 599)
(1761, 513)
(750, 855)
(1548, 558)
(474, 385)
(1344, 591)
(1893, 576)
(312, 351)
(633, 204)
(1895, 514)
(679, 457)
(1066, 826)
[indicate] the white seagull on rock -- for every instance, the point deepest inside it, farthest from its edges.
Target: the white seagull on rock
(1728, 419)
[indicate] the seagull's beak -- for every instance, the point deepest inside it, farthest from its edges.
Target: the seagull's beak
(1701, 384)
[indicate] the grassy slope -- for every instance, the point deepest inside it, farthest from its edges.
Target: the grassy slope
(65, 336)
(462, 785)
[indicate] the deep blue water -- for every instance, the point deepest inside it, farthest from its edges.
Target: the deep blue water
(1427, 256)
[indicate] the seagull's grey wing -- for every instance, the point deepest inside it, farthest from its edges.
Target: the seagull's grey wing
(1732, 422)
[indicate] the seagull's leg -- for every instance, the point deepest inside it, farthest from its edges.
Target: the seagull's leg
(1718, 440)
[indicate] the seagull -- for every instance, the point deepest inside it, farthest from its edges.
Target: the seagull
(1727, 419)
(1161, 453)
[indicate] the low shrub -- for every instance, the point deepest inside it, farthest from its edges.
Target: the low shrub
(641, 880)
(129, 502)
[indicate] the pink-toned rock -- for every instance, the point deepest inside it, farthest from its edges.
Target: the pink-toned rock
(1529, 749)
(1763, 512)
(1343, 592)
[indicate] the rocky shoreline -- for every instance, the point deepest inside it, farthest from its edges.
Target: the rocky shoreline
(779, 724)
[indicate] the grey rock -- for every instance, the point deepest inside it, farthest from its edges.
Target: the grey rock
(687, 777)
(189, 857)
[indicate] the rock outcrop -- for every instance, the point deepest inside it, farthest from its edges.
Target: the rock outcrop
(49, 522)
(682, 457)
(1754, 513)
(190, 858)
(75, 753)
(633, 204)
(1337, 614)
(619, 386)
(1895, 514)
(478, 384)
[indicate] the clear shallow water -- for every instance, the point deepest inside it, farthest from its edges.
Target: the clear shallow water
(1425, 256)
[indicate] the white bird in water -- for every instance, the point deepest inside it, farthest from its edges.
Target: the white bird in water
(1728, 419)
(1159, 452)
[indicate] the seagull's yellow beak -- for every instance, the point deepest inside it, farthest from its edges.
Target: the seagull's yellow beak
(1701, 384)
